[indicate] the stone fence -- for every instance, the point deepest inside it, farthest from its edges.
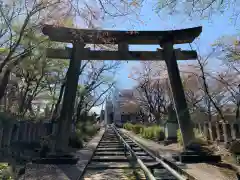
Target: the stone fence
(220, 131)
(22, 131)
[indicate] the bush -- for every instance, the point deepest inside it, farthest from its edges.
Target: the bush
(75, 142)
(137, 128)
(128, 126)
(5, 171)
(199, 139)
(91, 130)
(86, 130)
(151, 132)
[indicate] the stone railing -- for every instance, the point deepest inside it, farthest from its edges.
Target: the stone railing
(28, 132)
(220, 131)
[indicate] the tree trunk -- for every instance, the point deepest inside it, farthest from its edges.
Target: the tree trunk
(23, 100)
(56, 110)
(237, 110)
(4, 83)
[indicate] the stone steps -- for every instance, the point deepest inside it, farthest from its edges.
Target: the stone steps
(58, 160)
(116, 153)
(163, 174)
(197, 158)
(119, 159)
(116, 149)
(115, 165)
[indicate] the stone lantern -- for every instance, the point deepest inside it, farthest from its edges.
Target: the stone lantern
(171, 125)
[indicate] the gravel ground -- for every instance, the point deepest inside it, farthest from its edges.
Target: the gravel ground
(107, 174)
(203, 171)
(117, 174)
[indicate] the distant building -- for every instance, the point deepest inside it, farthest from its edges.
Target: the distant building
(124, 107)
(108, 115)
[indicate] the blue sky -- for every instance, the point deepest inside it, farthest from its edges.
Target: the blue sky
(212, 30)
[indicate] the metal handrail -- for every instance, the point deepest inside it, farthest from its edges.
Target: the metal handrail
(166, 166)
(139, 161)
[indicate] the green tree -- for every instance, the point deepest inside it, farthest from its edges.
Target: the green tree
(20, 20)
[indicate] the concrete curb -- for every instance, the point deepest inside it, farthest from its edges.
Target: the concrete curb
(87, 153)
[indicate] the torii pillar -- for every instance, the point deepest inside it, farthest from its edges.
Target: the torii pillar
(184, 120)
(65, 120)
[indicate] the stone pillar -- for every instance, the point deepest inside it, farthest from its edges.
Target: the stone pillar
(25, 131)
(212, 131)
(21, 131)
(54, 136)
(28, 132)
(200, 128)
(55, 129)
(205, 130)
(237, 130)
(40, 131)
(34, 138)
(229, 131)
(7, 136)
(233, 131)
(225, 133)
(238, 124)
(218, 131)
(37, 137)
(31, 132)
(1, 138)
(44, 130)
(16, 133)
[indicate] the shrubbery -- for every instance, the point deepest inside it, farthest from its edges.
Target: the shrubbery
(83, 132)
(155, 132)
(75, 142)
(5, 171)
(128, 126)
(199, 139)
(151, 132)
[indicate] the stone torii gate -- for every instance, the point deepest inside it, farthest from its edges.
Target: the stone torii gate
(80, 37)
